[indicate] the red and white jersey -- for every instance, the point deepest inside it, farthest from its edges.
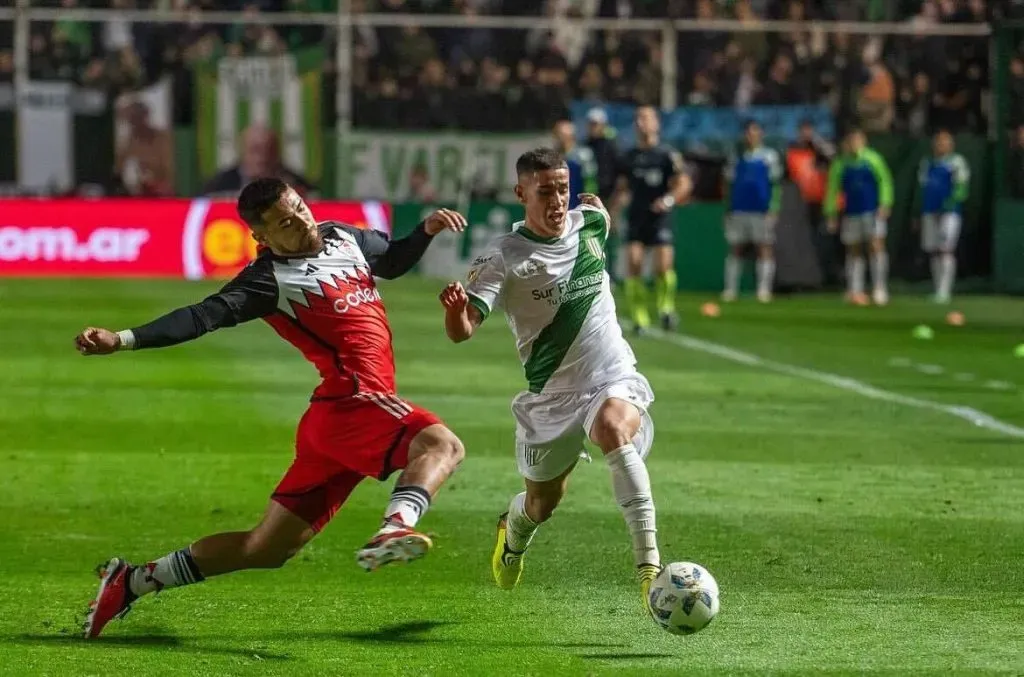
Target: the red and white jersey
(327, 305)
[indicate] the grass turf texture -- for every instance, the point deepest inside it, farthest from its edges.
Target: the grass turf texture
(849, 535)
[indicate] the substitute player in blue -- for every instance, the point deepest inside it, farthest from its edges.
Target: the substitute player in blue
(754, 198)
(580, 159)
(944, 184)
(862, 177)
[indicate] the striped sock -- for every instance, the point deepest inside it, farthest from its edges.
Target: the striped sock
(631, 485)
(519, 528)
(170, 571)
(407, 505)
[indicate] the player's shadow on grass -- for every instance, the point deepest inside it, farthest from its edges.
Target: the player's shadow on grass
(142, 641)
(624, 656)
(411, 632)
(417, 632)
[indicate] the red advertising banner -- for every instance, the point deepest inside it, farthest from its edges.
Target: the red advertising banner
(142, 238)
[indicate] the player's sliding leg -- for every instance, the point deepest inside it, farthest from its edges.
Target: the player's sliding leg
(269, 545)
(636, 290)
(614, 430)
(517, 526)
(433, 456)
(879, 271)
(765, 272)
(306, 499)
(665, 283)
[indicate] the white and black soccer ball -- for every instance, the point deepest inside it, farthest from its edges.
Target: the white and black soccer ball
(684, 598)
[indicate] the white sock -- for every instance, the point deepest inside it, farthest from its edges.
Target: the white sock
(880, 270)
(170, 571)
(632, 487)
(521, 528)
(407, 505)
(936, 260)
(855, 274)
(733, 268)
(947, 275)
(765, 275)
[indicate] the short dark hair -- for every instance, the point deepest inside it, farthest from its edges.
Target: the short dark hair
(257, 197)
(538, 160)
(750, 122)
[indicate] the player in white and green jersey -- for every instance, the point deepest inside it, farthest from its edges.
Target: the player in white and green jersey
(548, 276)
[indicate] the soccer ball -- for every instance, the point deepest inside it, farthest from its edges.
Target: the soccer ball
(684, 598)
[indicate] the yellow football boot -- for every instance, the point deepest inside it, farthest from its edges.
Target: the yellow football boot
(647, 573)
(506, 564)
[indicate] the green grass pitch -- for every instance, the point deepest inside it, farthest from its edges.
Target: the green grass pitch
(851, 534)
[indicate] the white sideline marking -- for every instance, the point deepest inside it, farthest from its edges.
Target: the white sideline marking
(969, 414)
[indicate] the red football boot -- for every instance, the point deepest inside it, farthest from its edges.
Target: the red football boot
(114, 598)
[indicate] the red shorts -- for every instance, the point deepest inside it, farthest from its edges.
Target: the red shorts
(339, 442)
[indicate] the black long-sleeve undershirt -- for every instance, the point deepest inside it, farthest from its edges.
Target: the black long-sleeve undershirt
(399, 256)
(253, 293)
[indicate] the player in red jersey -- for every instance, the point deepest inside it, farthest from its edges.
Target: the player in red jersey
(314, 284)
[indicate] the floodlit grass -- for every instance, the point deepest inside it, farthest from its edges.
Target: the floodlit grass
(850, 535)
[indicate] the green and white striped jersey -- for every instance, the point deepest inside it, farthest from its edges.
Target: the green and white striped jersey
(558, 301)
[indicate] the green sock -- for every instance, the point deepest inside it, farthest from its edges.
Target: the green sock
(665, 292)
(636, 299)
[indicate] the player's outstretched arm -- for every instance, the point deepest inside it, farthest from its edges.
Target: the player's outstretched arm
(177, 326)
(97, 341)
(394, 259)
(251, 295)
(461, 318)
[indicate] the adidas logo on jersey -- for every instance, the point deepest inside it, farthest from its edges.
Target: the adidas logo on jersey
(595, 248)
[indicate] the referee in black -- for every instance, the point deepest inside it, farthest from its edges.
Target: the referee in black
(654, 178)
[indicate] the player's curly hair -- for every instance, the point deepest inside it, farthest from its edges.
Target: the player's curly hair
(539, 159)
(257, 197)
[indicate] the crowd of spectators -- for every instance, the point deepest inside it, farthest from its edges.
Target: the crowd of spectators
(423, 78)
(484, 78)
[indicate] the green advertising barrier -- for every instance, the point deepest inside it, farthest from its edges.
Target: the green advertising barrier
(700, 246)
(700, 242)
(1008, 247)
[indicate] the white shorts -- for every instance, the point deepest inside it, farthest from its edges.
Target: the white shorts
(940, 232)
(552, 428)
(746, 228)
(862, 228)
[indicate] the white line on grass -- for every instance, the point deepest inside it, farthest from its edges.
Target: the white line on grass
(969, 414)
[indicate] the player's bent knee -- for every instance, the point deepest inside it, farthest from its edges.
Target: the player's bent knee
(612, 430)
(440, 443)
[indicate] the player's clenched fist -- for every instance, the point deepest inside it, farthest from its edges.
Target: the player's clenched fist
(592, 200)
(445, 219)
(95, 341)
(453, 297)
